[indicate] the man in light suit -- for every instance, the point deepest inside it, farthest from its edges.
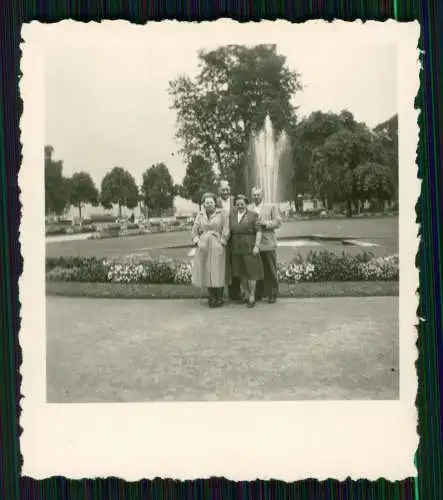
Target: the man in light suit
(226, 203)
(269, 220)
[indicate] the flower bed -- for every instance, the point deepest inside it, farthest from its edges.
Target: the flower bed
(320, 266)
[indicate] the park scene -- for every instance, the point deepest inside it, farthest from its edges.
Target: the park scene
(124, 322)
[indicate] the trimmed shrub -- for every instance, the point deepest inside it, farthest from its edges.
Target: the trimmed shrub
(63, 274)
(55, 231)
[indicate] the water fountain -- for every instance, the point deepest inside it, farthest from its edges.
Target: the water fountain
(269, 166)
(267, 155)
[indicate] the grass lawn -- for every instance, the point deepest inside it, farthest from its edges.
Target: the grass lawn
(380, 230)
(159, 350)
(177, 291)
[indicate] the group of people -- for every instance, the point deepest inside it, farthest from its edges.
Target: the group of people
(236, 247)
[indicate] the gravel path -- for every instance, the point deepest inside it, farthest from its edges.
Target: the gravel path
(109, 350)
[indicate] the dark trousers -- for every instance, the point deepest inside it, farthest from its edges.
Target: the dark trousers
(269, 286)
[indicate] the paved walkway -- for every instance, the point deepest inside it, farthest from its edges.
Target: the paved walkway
(109, 350)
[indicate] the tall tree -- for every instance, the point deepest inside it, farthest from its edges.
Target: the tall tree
(387, 135)
(56, 185)
(311, 133)
(158, 189)
(236, 88)
(333, 164)
(119, 187)
(199, 178)
(82, 190)
(374, 183)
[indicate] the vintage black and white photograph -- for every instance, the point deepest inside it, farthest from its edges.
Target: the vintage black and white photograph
(221, 215)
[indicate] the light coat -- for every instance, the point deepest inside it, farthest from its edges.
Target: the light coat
(211, 235)
(271, 215)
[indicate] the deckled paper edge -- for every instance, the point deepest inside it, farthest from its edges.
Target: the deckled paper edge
(234, 440)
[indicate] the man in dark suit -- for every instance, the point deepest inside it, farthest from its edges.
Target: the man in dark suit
(226, 203)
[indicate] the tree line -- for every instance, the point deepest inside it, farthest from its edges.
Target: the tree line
(118, 187)
(332, 157)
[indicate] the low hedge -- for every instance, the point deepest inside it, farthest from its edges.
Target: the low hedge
(55, 231)
(58, 231)
(317, 266)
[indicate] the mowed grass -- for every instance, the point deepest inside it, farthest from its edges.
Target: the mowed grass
(383, 231)
(297, 349)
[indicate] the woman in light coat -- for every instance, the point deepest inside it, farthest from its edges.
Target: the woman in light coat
(210, 234)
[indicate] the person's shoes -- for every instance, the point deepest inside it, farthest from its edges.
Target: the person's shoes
(233, 294)
(260, 290)
(250, 304)
(218, 297)
(272, 299)
(212, 298)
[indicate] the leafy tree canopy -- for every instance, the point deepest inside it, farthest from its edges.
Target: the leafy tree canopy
(199, 178)
(387, 135)
(56, 185)
(158, 189)
(311, 133)
(119, 187)
(334, 163)
(236, 88)
(82, 190)
(374, 182)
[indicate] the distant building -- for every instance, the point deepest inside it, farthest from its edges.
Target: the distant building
(311, 203)
(89, 210)
(305, 203)
(181, 207)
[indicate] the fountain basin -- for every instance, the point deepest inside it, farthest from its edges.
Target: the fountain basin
(320, 239)
(316, 241)
(313, 241)
(299, 243)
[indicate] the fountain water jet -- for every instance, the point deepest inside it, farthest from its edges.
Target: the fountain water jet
(267, 155)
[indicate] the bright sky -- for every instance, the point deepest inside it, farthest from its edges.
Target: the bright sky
(106, 85)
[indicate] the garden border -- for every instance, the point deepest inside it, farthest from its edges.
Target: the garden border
(178, 291)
